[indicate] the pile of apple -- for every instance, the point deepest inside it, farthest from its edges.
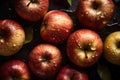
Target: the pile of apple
(63, 51)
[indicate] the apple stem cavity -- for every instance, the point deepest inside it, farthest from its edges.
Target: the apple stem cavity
(95, 5)
(118, 44)
(32, 1)
(46, 58)
(86, 48)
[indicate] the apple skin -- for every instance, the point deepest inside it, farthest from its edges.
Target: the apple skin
(15, 70)
(12, 37)
(112, 48)
(32, 10)
(69, 73)
(45, 60)
(95, 14)
(84, 47)
(56, 27)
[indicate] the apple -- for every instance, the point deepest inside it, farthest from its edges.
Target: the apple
(12, 37)
(14, 70)
(32, 10)
(112, 48)
(69, 73)
(84, 47)
(45, 60)
(56, 27)
(95, 14)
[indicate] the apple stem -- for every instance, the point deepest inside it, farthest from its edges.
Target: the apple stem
(86, 54)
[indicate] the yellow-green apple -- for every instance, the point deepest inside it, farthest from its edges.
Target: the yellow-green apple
(56, 27)
(84, 47)
(95, 14)
(45, 60)
(112, 48)
(31, 10)
(12, 37)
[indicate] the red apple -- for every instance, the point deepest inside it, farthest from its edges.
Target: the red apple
(12, 37)
(31, 10)
(56, 27)
(45, 60)
(84, 47)
(95, 14)
(112, 48)
(69, 73)
(14, 70)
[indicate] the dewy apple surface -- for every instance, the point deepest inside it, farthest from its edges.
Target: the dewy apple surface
(8, 12)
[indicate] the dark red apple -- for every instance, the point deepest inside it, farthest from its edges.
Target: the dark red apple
(31, 10)
(69, 73)
(14, 70)
(57, 26)
(84, 47)
(45, 60)
(12, 37)
(112, 48)
(95, 14)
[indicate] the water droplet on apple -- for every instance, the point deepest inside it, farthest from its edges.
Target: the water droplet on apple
(93, 56)
(53, 62)
(104, 22)
(14, 45)
(82, 15)
(96, 55)
(98, 13)
(58, 30)
(66, 30)
(98, 18)
(93, 48)
(90, 44)
(40, 60)
(2, 40)
(53, 38)
(107, 47)
(102, 16)
(86, 12)
(55, 65)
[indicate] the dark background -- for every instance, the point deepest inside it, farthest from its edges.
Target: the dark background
(7, 11)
